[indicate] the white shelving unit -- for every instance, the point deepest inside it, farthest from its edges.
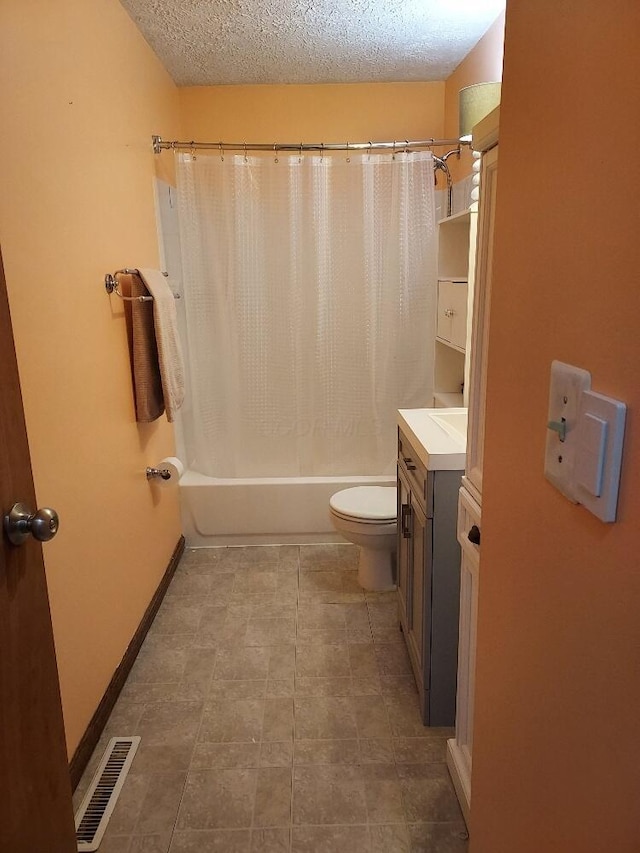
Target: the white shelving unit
(460, 748)
(456, 258)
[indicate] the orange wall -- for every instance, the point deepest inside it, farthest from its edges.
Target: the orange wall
(313, 113)
(482, 65)
(556, 763)
(82, 93)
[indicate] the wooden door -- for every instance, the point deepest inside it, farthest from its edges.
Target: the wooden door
(36, 812)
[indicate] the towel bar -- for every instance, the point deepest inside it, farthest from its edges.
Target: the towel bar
(111, 285)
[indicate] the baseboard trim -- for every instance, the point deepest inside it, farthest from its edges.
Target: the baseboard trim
(92, 734)
(460, 777)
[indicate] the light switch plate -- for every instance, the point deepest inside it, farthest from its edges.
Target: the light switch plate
(566, 388)
(598, 459)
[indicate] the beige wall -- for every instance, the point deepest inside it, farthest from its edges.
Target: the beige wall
(556, 764)
(81, 95)
(319, 113)
(481, 65)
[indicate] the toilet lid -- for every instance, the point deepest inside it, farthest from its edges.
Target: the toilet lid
(375, 503)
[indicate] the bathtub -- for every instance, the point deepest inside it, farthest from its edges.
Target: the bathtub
(278, 511)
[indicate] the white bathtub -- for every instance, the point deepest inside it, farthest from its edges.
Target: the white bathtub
(284, 511)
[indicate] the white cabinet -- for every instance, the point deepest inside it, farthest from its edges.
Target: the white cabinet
(459, 749)
(480, 333)
(456, 236)
(452, 313)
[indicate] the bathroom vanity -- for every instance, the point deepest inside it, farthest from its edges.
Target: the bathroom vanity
(431, 459)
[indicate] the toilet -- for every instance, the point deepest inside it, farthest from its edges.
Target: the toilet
(367, 516)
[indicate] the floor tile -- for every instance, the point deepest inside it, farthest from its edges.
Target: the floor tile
(271, 840)
(261, 582)
(160, 806)
(322, 661)
(362, 658)
(154, 843)
(214, 756)
(270, 632)
(371, 717)
(278, 712)
(325, 717)
(390, 839)
(323, 686)
(392, 659)
(241, 664)
(218, 799)
(216, 841)
(278, 720)
(383, 793)
(238, 689)
(420, 750)
(276, 753)
(404, 716)
(428, 793)
(328, 795)
(232, 721)
(376, 751)
(273, 797)
(330, 839)
(309, 752)
(438, 838)
(169, 723)
(319, 557)
(179, 615)
(164, 758)
(115, 844)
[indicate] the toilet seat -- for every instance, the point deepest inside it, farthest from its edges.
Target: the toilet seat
(366, 504)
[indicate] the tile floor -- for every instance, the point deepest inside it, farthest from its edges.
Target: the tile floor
(277, 713)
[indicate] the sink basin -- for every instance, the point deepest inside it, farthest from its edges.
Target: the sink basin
(454, 423)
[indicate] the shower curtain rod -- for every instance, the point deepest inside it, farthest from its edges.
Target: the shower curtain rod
(397, 145)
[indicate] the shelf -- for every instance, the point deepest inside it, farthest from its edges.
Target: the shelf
(453, 246)
(462, 217)
(447, 400)
(450, 345)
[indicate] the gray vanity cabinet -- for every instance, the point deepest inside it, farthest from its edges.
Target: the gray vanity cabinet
(429, 580)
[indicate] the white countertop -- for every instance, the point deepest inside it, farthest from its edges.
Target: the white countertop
(438, 448)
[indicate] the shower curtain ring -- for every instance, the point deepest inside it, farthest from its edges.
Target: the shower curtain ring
(245, 153)
(369, 151)
(193, 150)
(300, 154)
(221, 154)
(348, 158)
(394, 150)
(275, 151)
(406, 150)
(321, 152)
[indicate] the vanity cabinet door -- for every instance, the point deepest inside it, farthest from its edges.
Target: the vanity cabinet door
(404, 551)
(452, 313)
(419, 618)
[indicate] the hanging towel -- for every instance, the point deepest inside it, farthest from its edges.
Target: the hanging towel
(145, 370)
(168, 342)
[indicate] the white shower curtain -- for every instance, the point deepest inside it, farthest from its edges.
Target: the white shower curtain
(309, 291)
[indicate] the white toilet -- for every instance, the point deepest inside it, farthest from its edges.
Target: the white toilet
(367, 516)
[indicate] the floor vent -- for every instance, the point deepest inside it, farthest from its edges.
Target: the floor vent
(96, 808)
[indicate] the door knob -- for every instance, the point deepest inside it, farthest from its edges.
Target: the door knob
(20, 523)
(474, 535)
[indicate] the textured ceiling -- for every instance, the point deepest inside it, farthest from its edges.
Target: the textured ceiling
(209, 42)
